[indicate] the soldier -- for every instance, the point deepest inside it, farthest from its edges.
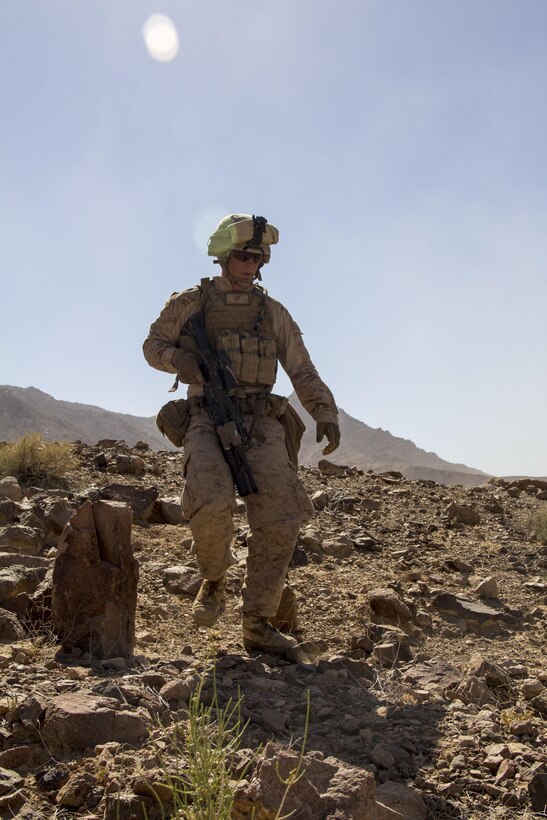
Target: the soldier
(256, 332)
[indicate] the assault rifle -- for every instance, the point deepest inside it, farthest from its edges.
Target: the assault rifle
(230, 429)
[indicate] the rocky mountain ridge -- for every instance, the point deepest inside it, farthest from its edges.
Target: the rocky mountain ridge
(24, 410)
(425, 605)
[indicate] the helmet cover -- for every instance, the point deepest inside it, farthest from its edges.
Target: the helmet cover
(242, 231)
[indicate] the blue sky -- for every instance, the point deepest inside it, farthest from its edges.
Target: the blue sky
(398, 145)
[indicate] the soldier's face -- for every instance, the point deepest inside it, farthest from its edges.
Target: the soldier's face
(242, 269)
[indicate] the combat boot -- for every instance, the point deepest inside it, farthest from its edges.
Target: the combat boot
(258, 633)
(210, 602)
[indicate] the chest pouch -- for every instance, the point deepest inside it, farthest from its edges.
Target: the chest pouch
(253, 358)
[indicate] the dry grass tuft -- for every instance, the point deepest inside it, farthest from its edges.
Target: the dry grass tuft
(33, 459)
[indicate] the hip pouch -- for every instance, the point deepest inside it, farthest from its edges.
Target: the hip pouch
(293, 426)
(173, 420)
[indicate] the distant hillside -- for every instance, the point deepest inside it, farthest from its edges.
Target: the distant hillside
(28, 410)
(376, 449)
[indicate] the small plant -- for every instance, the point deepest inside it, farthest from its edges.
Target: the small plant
(296, 773)
(31, 458)
(538, 524)
(205, 787)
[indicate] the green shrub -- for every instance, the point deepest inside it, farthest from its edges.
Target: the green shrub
(205, 786)
(538, 524)
(31, 458)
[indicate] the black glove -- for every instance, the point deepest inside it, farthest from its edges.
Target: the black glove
(188, 369)
(331, 430)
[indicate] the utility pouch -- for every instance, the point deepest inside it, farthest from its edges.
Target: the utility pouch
(173, 420)
(293, 425)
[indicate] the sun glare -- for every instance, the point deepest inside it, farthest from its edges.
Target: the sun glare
(204, 225)
(161, 38)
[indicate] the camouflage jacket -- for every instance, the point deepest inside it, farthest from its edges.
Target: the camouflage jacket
(164, 340)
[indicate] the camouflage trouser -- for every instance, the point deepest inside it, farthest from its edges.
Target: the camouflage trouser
(274, 514)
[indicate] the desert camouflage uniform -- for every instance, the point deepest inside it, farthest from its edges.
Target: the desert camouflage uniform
(282, 505)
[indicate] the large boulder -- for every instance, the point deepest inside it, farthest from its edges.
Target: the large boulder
(141, 500)
(94, 595)
(78, 720)
(52, 515)
(327, 788)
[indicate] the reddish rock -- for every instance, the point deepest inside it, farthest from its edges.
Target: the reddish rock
(327, 788)
(78, 720)
(386, 603)
(95, 582)
(402, 799)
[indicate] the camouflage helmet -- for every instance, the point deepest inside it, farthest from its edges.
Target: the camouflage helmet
(242, 231)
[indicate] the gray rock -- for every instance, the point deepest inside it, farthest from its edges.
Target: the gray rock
(539, 703)
(392, 653)
(182, 580)
(493, 674)
(327, 788)
(387, 604)
(50, 514)
(402, 799)
(17, 579)
(273, 720)
(130, 465)
(320, 499)
(462, 514)
(537, 789)
(11, 628)
(473, 690)
(171, 510)
(18, 538)
(328, 468)
(488, 588)
(312, 541)
(8, 511)
(9, 781)
(461, 566)
(461, 607)
(531, 687)
(339, 548)
(7, 559)
(140, 500)
(76, 790)
(10, 488)
(381, 757)
(178, 690)
(436, 676)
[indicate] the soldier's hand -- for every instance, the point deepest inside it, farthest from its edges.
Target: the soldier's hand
(332, 432)
(188, 369)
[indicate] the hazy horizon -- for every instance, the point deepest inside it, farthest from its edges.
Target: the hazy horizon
(399, 148)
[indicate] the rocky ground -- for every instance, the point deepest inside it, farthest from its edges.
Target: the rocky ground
(424, 607)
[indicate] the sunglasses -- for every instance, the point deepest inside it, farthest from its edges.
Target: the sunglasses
(244, 256)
